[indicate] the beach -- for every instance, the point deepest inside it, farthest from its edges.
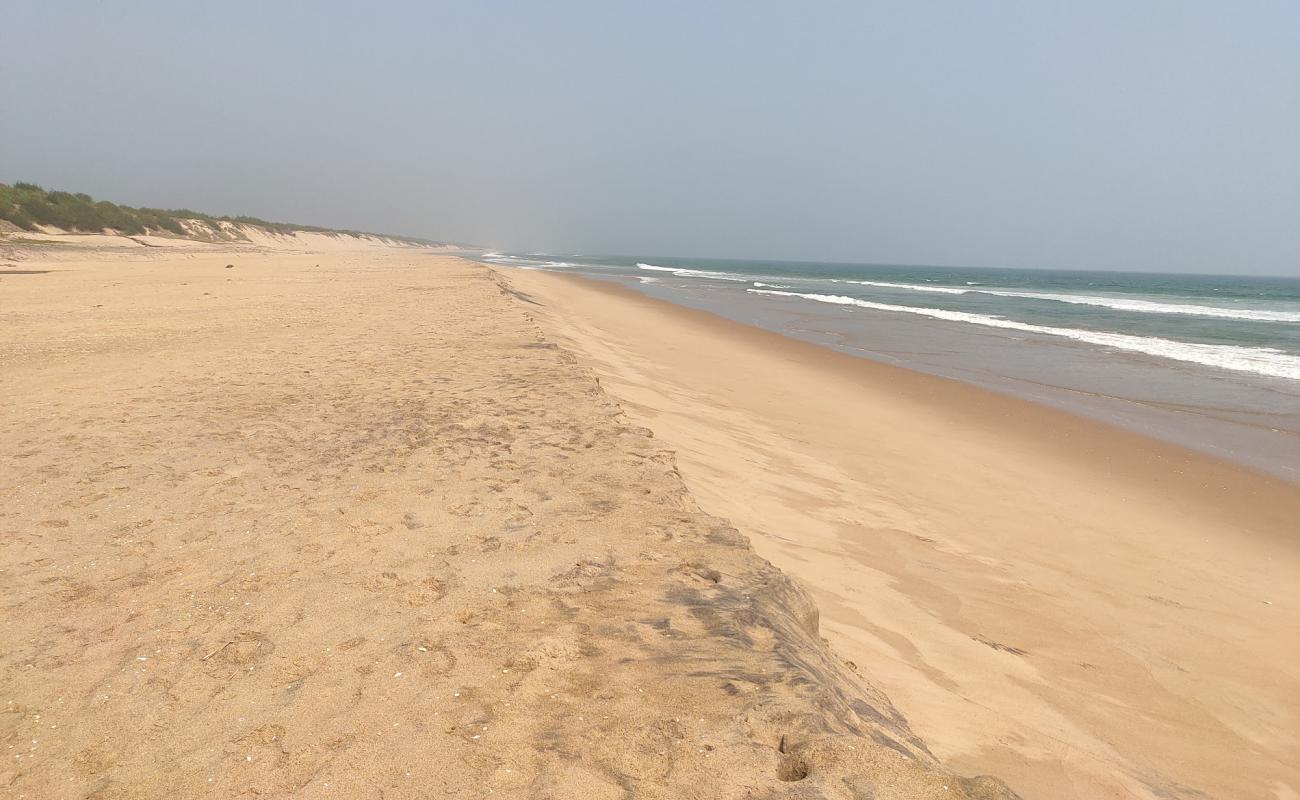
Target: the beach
(1207, 362)
(646, 401)
(1080, 610)
(311, 516)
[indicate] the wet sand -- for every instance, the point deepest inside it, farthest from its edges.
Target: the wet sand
(1082, 611)
(348, 523)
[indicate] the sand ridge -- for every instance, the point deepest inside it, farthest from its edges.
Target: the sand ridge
(350, 525)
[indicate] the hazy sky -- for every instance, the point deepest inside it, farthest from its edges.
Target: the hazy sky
(1144, 135)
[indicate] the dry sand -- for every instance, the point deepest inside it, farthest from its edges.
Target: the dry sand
(1083, 612)
(349, 524)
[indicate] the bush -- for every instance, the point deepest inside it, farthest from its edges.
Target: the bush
(28, 205)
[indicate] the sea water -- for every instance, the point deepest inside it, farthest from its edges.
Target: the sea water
(1210, 362)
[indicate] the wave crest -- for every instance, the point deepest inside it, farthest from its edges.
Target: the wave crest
(1152, 307)
(912, 286)
(683, 272)
(1115, 303)
(1260, 360)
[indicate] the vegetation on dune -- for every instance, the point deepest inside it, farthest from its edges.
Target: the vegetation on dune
(28, 205)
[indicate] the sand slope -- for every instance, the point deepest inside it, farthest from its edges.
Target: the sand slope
(1081, 611)
(348, 525)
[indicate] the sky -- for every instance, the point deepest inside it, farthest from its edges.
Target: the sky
(1157, 135)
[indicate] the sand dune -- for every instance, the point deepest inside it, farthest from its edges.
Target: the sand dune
(349, 524)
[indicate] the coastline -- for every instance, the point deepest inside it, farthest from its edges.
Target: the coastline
(1215, 386)
(1070, 605)
(279, 521)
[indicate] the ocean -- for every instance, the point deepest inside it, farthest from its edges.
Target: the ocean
(1209, 362)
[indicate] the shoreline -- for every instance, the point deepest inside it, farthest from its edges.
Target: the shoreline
(321, 524)
(914, 508)
(1192, 469)
(1238, 416)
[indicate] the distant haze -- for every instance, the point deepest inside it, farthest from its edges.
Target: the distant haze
(1109, 135)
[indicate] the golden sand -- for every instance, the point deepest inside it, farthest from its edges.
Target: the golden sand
(1083, 612)
(350, 524)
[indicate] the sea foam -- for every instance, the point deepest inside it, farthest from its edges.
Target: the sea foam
(1261, 360)
(1116, 303)
(912, 286)
(682, 272)
(1152, 307)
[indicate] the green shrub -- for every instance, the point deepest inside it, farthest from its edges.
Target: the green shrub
(28, 205)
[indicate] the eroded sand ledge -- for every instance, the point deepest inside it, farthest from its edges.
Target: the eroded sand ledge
(1079, 610)
(347, 525)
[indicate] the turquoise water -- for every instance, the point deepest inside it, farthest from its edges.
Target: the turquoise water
(1209, 361)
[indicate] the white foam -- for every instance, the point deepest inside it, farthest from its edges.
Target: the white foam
(1117, 303)
(914, 287)
(682, 272)
(647, 279)
(1260, 360)
(1152, 307)
(770, 285)
(528, 263)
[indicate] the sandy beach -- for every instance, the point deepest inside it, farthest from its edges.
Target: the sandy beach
(315, 519)
(649, 401)
(1084, 612)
